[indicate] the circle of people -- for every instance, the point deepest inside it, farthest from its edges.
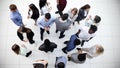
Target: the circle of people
(63, 22)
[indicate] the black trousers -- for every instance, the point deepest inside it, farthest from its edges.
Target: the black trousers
(59, 10)
(82, 43)
(29, 37)
(20, 36)
(61, 32)
(42, 31)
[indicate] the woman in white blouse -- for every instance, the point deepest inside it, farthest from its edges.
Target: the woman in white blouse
(93, 51)
(93, 21)
(21, 50)
(73, 13)
(45, 9)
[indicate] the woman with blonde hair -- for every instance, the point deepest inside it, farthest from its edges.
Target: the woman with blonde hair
(93, 51)
(73, 13)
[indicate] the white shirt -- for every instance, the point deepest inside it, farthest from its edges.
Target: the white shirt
(90, 22)
(45, 9)
(92, 51)
(71, 17)
(84, 34)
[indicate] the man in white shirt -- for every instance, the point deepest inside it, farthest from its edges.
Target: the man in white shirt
(45, 22)
(86, 33)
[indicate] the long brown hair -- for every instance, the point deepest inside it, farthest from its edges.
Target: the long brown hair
(16, 48)
(75, 10)
(87, 6)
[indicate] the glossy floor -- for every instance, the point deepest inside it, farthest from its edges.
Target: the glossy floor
(107, 35)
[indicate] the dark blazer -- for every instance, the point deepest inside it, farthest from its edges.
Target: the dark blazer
(48, 48)
(81, 15)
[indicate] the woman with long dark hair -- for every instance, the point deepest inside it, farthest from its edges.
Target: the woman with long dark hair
(83, 12)
(35, 12)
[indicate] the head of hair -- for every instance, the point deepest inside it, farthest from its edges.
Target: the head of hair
(42, 3)
(16, 48)
(82, 57)
(47, 42)
(77, 42)
(87, 6)
(12, 7)
(100, 49)
(38, 65)
(32, 7)
(64, 16)
(75, 10)
(93, 29)
(97, 19)
(61, 65)
(47, 16)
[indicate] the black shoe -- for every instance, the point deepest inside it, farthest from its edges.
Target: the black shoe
(65, 42)
(69, 58)
(64, 51)
(78, 49)
(29, 53)
(56, 12)
(61, 36)
(56, 31)
(32, 42)
(48, 32)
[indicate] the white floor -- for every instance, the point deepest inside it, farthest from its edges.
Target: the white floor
(107, 35)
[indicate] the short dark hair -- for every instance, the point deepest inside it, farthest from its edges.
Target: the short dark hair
(97, 19)
(12, 7)
(77, 42)
(93, 28)
(61, 65)
(47, 42)
(47, 15)
(82, 57)
(64, 16)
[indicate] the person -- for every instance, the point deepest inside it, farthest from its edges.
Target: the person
(21, 50)
(45, 22)
(29, 34)
(93, 51)
(61, 4)
(15, 16)
(78, 57)
(95, 21)
(35, 12)
(86, 33)
(73, 14)
(42, 3)
(62, 24)
(72, 43)
(83, 12)
(40, 64)
(44, 7)
(60, 62)
(47, 46)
